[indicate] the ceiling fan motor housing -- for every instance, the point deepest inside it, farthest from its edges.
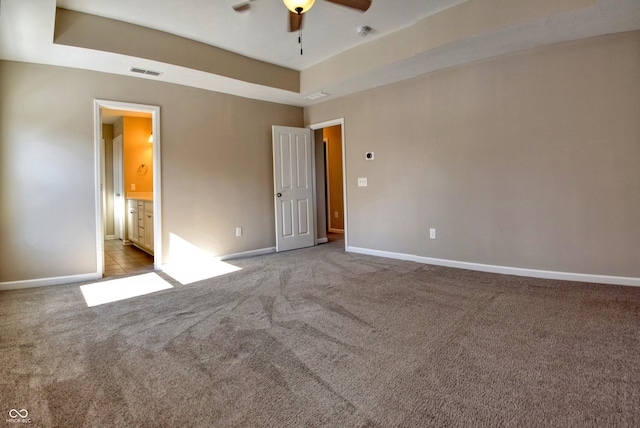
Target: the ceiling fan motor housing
(298, 6)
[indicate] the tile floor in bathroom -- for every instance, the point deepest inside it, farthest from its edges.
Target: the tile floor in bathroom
(122, 259)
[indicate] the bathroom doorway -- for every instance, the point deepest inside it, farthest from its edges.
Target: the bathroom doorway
(332, 215)
(128, 186)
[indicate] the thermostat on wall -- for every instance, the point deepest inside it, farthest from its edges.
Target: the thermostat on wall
(368, 156)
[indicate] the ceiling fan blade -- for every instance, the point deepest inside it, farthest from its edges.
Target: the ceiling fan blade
(241, 7)
(362, 5)
(295, 21)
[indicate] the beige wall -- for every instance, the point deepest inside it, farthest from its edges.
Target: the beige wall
(216, 167)
(530, 160)
(333, 137)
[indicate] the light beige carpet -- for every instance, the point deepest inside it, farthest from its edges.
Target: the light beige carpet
(319, 337)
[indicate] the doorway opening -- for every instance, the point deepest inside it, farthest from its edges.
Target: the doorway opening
(331, 173)
(128, 215)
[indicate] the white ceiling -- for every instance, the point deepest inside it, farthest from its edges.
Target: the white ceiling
(26, 34)
(262, 31)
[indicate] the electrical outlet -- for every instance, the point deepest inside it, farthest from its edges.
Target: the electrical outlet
(432, 234)
(362, 182)
(238, 231)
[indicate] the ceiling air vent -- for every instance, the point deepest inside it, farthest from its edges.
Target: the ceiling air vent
(316, 96)
(143, 71)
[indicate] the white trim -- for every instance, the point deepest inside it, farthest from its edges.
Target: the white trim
(504, 270)
(323, 240)
(330, 213)
(43, 282)
(157, 188)
(252, 253)
(327, 182)
(97, 142)
(312, 138)
(103, 185)
(345, 215)
(157, 175)
(110, 238)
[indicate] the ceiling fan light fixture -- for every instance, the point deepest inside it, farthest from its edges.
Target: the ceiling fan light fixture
(298, 6)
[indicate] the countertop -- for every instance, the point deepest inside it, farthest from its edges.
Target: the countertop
(142, 196)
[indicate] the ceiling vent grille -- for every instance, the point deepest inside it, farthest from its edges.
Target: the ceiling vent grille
(143, 71)
(316, 96)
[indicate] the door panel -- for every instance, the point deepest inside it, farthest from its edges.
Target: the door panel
(287, 218)
(303, 217)
(285, 170)
(293, 187)
(302, 154)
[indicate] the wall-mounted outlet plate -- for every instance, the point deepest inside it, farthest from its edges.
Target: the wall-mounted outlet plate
(432, 234)
(362, 182)
(238, 231)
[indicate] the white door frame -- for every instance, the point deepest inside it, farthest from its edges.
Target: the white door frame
(327, 175)
(157, 191)
(327, 124)
(103, 187)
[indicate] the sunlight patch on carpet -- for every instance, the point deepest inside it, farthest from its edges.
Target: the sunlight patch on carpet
(115, 290)
(191, 264)
(187, 273)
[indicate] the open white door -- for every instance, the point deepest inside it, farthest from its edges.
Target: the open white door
(118, 188)
(293, 188)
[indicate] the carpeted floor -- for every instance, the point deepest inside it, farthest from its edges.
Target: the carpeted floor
(319, 337)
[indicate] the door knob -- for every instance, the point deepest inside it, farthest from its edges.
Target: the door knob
(279, 194)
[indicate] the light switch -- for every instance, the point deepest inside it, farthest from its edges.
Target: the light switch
(238, 231)
(362, 182)
(432, 233)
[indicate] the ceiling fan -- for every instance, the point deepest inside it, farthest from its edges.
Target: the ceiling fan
(298, 7)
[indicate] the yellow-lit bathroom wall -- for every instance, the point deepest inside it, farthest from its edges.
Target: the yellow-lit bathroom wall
(333, 136)
(138, 154)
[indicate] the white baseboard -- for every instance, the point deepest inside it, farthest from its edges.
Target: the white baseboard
(334, 230)
(505, 270)
(110, 237)
(244, 254)
(43, 282)
(322, 240)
